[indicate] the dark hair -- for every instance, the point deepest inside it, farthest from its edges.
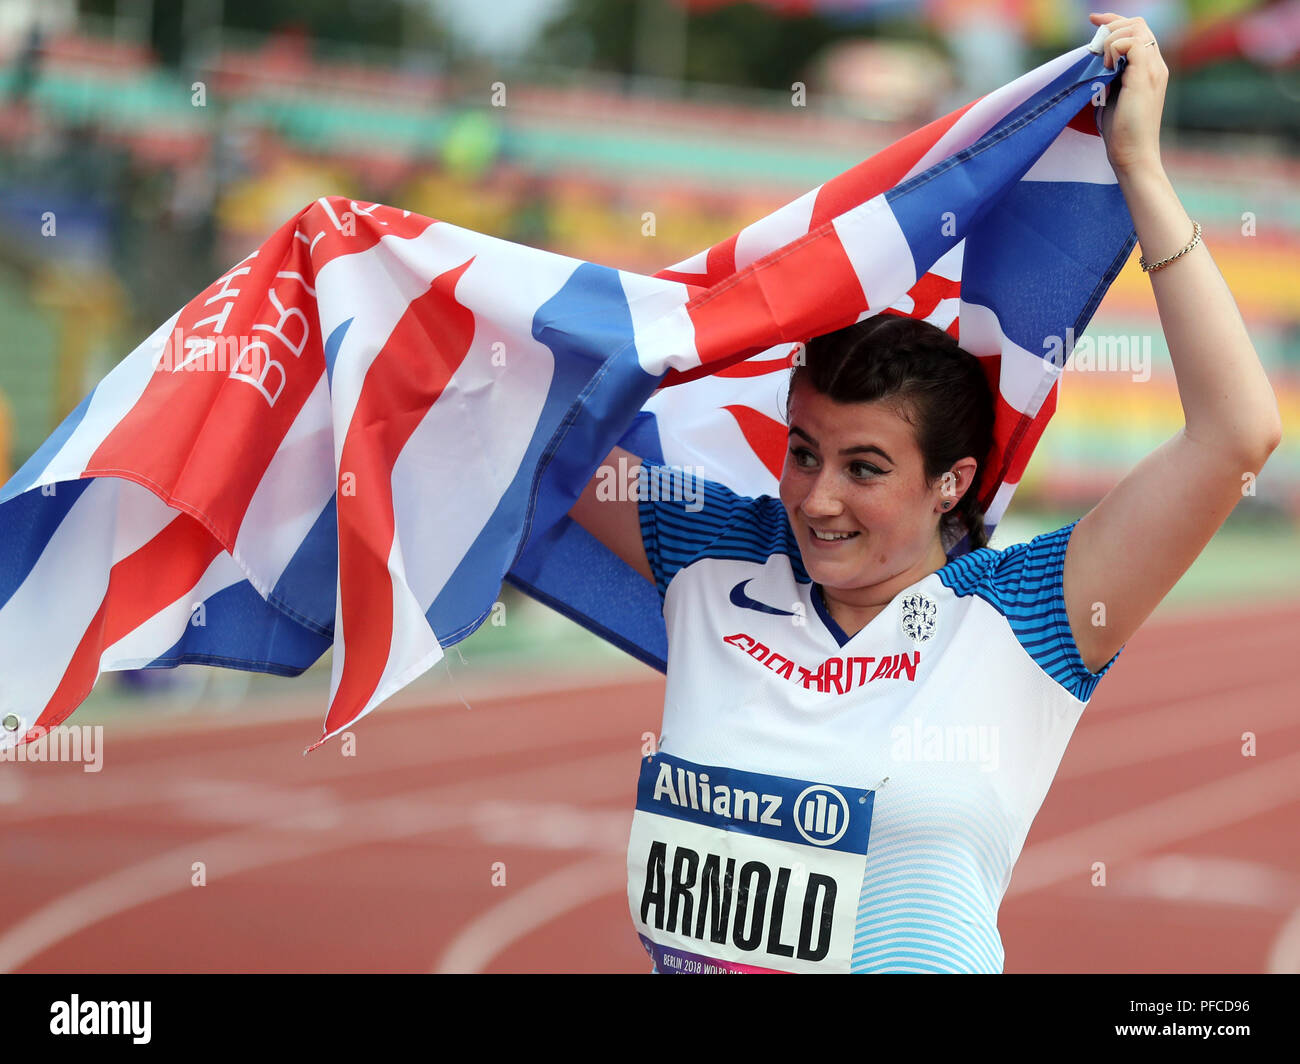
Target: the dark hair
(930, 380)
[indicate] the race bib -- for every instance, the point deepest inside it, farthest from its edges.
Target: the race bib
(740, 872)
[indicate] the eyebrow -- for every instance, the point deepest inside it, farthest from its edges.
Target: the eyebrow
(866, 448)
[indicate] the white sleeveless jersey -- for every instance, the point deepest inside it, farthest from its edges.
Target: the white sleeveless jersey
(827, 803)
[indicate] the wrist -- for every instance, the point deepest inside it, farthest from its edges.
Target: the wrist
(1139, 170)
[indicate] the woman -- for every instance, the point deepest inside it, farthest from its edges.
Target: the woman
(857, 731)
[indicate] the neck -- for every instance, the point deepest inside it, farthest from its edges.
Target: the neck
(854, 608)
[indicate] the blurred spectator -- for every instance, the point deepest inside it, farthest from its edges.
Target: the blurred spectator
(27, 66)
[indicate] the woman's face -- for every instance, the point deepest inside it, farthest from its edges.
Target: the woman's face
(854, 469)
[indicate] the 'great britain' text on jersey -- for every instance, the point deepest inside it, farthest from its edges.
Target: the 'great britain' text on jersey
(838, 674)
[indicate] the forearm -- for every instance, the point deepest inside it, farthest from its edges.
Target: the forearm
(1227, 399)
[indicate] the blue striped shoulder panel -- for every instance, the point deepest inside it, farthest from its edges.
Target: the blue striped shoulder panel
(1024, 584)
(686, 518)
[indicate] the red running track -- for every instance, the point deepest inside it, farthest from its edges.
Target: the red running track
(385, 861)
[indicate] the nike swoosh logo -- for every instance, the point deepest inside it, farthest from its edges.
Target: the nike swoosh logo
(739, 598)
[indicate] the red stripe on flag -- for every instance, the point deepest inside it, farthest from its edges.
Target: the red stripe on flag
(203, 432)
(786, 295)
(842, 193)
(1086, 120)
(882, 171)
(680, 278)
(721, 261)
(421, 354)
(139, 586)
(929, 291)
(751, 368)
(1015, 435)
(335, 226)
(766, 436)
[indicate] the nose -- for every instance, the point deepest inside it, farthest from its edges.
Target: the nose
(822, 500)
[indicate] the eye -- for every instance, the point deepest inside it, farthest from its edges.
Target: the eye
(865, 469)
(803, 457)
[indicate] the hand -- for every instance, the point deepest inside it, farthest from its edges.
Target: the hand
(1130, 121)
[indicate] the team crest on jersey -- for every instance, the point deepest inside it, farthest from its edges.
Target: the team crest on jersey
(920, 613)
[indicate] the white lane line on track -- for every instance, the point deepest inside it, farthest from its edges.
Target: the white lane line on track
(484, 685)
(1228, 800)
(1201, 879)
(304, 834)
(1284, 957)
(1189, 724)
(132, 786)
(492, 932)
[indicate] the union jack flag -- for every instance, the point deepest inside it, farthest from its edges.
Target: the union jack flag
(354, 435)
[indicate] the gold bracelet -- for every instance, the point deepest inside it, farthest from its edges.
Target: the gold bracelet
(1196, 239)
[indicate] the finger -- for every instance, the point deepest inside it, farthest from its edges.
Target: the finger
(1135, 47)
(1117, 28)
(1121, 42)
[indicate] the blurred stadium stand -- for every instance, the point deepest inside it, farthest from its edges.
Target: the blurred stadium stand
(127, 185)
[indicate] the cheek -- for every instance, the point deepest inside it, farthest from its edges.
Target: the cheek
(789, 491)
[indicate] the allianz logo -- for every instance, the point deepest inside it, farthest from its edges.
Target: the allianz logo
(820, 815)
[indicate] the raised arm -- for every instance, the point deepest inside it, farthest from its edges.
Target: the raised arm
(608, 510)
(1134, 545)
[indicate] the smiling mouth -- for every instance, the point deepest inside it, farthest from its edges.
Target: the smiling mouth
(830, 537)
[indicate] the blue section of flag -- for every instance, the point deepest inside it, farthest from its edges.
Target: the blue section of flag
(35, 465)
(1075, 226)
(308, 588)
(26, 525)
(332, 346)
(642, 439)
(592, 395)
(966, 187)
(241, 630)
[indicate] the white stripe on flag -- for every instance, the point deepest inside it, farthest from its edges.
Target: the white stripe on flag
(986, 113)
(116, 393)
(112, 519)
(374, 288)
(667, 342)
(1073, 156)
(413, 648)
(1024, 378)
(776, 230)
(877, 250)
(1001, 500)
(662, 329)
(296, 487)
(161, 631)
(696, 432)
(461, 458)
(697, 263)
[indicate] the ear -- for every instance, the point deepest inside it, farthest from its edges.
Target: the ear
(954, 484)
